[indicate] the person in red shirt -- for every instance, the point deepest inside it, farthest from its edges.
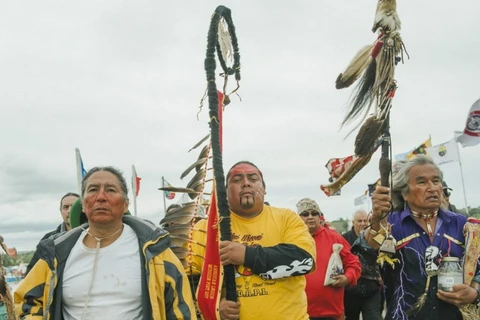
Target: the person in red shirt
(326, 302)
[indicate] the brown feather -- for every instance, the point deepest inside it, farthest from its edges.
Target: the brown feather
(197, 186)
(368, 135)
(204, 153)
(355, 68)
(174, 229)
(200, 208)
(178, 229)
(182, 253)
(200, 142)
(188, 207)
(196, 178)
(179, 218)
(180, 240)
(197, 164)
(183, 215)
(175, 189)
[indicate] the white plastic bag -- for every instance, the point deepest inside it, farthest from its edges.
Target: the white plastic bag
(335, 265)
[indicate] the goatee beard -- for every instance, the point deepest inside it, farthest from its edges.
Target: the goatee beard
(247, 202)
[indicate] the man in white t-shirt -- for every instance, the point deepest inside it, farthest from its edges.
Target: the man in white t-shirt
(114, 267)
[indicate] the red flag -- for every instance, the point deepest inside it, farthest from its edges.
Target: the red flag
(210, 285)
(169, 194)
(135, 182)
(337, 166)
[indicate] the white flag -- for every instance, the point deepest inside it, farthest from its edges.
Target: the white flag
(361, 200)
(471, 134)
(444, 153)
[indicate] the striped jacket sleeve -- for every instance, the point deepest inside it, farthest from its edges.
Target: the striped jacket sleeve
(178, 297)
(31, 294)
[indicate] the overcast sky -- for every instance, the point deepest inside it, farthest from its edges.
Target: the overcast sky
(122, 81)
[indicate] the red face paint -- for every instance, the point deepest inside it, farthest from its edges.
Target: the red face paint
(245, 190)
(243, 169)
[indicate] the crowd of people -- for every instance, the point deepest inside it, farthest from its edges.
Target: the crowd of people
(288, 264)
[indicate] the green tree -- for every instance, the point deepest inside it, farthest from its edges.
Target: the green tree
(22, 257)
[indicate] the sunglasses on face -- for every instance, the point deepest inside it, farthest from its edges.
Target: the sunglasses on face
(446, 193)
(306, 214)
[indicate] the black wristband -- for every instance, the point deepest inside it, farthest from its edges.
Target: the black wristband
(477, 300)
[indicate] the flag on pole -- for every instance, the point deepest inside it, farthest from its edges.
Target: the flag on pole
(168, 194)
(471, 133)
(135, 182)
(360, 201)
(444, 153)
(337, 166)
(421, 149)
(135, 188)
(81, 172)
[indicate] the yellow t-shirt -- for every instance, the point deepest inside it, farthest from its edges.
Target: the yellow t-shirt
(261, 298)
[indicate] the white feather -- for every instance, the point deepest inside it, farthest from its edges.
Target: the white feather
(225, 41)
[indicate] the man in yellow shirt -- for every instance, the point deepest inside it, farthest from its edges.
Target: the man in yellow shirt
(270, 248)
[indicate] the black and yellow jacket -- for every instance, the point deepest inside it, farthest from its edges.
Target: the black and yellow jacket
(165, 288)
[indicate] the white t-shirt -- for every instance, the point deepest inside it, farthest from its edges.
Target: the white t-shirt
(116, 290)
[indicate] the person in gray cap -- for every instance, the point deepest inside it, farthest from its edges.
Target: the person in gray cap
(326, 301)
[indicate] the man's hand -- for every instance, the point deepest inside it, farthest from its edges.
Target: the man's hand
(459, 295)
(229, 310)
(380, 202)
(232, 253)
(341, 281)
(380, 208)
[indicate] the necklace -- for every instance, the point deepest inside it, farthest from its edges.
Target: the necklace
(95, 264)
(106, 237)
(426, 217)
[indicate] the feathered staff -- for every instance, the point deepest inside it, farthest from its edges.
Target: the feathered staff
(223, 40)
(375, 66)
(7, 298)
(213, 44)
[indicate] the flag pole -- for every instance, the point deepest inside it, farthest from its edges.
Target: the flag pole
(461, 175)
(164, 200)
(134, 189)
(78, 159)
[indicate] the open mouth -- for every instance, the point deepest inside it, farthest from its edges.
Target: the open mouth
(433, 198)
